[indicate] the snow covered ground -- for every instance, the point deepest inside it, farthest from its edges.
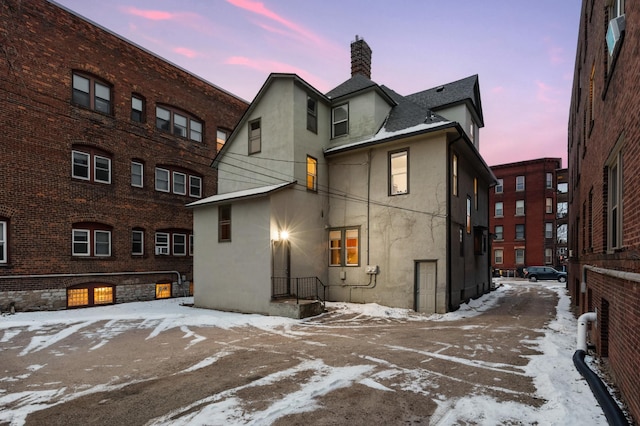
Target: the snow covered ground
(568, 397)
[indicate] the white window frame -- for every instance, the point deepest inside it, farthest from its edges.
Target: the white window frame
(521, 258)
(162, 240)
(87, 166)
(3, 242)
(179, 248)
(499, 235)
(137, 106)
(95, 242)
(548, 229)
(255, 136)
(335, 122)
(548, 256)
(168, 180)
(398, 175)
(520, 183)
(141, 242)
(498, 259)
(501, 209)
(195, 183)
(500, 186)
(176, 184)
(139, 168)
(87, 242)
(520, 208)
(95, 169)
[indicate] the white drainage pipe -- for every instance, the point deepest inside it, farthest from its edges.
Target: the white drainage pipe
(583, 321)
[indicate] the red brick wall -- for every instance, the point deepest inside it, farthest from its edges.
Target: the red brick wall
(591, 144)
(534, 197)
(44, 44)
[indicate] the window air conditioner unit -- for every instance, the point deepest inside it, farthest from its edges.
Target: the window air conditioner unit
(614, 31)
(162, 250)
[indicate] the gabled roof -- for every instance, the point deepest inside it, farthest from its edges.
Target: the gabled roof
(247, 193)
(272, 77)
(466, 91)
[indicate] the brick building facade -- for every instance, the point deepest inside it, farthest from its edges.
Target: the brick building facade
(103, 144)
(523, 219)
(604, 181)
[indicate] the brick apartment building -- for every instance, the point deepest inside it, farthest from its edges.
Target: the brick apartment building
(103, 144)
(604, 186)
(524, 215)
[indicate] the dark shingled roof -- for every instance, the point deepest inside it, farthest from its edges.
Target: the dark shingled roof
(407, 113)
(355, 84)
(461, 91)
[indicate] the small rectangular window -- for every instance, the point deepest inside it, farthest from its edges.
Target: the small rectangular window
(102, 169)
(137, 109)
(468, 215)
(162, 180)
(340, 121)
(179, 245)
(349, 239)
(221, 138)
(399, 172)
(498, 256)
(163, 119)
(548, 205)
(81, 242)
(519, 207)
(335, 248)
(179, 183)
(77, 297)
(499, 211)
(312, 115)
(137, 174)
(549, 180)
(195, 186)
(499, 232)
(255, 137)
(3, 242)
(500, 186)
(548, 256)
(137, 242)
(454, 174)
(475, 193)
(224, 223)
(179, 125)
(162, 243)
(102, 295)
(519, 232)
(102, 243)
(195, 130)
(519, 256)
(548, 230)
(80, 165)
(81, 94)
(519, 183)
(312, 174)
(102, 98)
(163, 290)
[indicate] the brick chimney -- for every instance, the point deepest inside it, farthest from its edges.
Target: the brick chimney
(360, 58)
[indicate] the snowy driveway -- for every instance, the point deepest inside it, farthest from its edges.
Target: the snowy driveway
(503, 359)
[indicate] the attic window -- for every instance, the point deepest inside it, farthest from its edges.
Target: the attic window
(340, 120)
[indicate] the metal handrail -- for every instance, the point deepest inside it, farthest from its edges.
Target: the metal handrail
(305, 288)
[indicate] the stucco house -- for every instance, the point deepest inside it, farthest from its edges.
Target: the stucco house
(356, 195)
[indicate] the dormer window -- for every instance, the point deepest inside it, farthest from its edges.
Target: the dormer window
(340, 121)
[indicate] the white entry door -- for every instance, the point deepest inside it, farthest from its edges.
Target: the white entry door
(426, 287)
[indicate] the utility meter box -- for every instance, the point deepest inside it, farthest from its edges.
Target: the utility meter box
(372, 269)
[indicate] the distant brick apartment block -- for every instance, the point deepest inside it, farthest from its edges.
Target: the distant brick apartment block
(604, 186)
(524, 221)
(103, 143)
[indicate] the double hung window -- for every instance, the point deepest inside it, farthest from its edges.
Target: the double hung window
(175, 181)
(399, 172)
(340, 121)
(91, 166)
(91, 240)
(178, 123)
(344, 247)
(91, 93)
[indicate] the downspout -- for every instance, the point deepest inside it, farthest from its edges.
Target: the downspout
(448, 239)
(612, 411)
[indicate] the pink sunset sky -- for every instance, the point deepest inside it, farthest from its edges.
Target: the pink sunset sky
(522, 51)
